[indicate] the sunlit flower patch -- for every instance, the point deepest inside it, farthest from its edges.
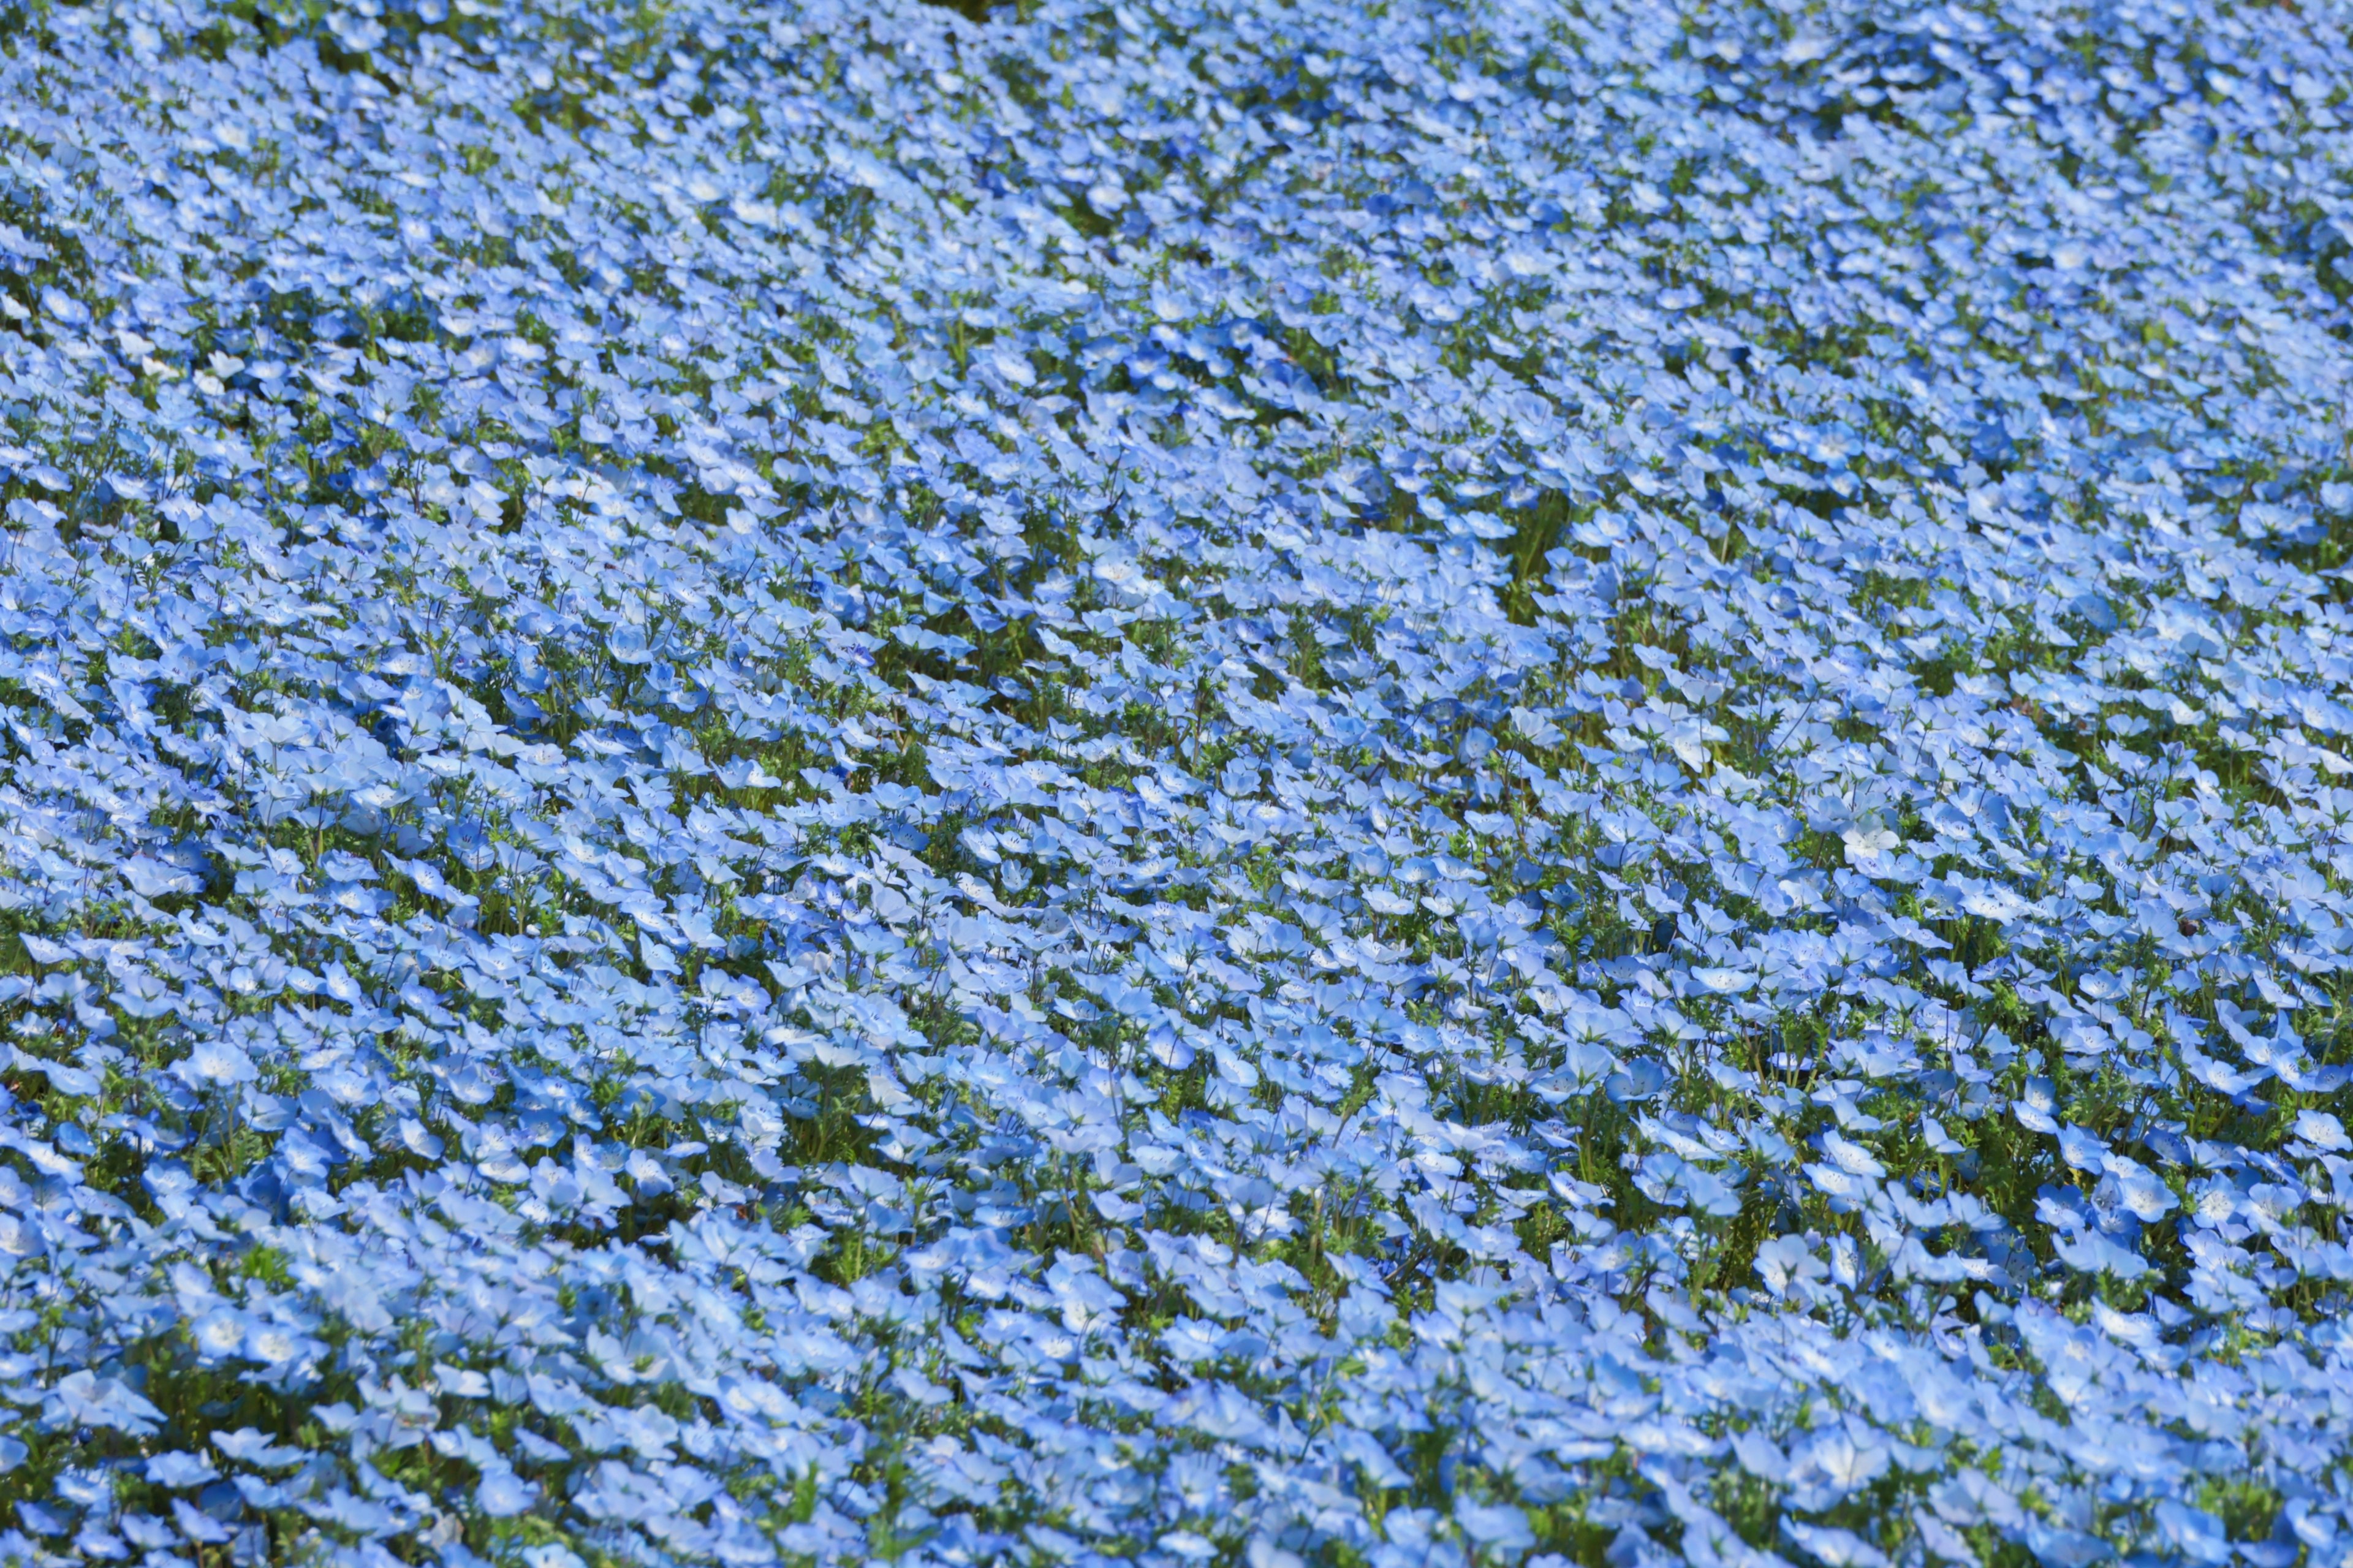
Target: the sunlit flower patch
(1272, 785)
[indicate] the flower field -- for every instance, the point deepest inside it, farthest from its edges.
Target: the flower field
(1175, 782)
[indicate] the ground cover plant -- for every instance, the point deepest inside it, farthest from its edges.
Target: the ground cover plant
(1176, 782)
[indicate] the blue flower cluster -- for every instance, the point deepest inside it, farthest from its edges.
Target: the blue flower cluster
(1175, 782)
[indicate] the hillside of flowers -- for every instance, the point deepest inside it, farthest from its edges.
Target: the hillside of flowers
(1175, 783)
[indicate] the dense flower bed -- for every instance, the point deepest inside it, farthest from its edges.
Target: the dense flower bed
(1274, 784)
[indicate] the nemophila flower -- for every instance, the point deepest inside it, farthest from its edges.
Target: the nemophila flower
(1176, 782)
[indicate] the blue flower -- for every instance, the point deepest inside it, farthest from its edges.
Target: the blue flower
(796, 784)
